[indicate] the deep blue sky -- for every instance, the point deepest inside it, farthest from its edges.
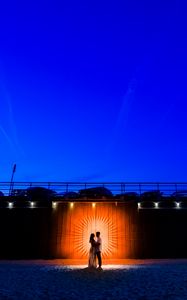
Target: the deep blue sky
(93, 90)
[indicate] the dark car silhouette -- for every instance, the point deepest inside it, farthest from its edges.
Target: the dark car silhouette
(70, 195)
(179, 195)
(40, 193)
(96, 192)
(128, 196)
(151, 196)
(19, 193)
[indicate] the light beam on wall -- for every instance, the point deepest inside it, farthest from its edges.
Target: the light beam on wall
(75, 226)
(91, 225)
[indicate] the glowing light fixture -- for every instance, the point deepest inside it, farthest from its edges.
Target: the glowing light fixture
(93, 205)
(10, 204)
(54, 204)
(156, 204)
(139, 205)
(71, 205)
(178, 204)
(32, 204)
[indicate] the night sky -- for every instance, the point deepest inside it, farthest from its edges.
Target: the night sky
(93, 91)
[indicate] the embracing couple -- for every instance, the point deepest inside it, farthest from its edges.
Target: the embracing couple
(95, 251)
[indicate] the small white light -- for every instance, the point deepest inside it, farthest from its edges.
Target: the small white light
(178, 204)
(156, 204)
(139, 205)
(93, 205)
(32, 204)
(10, 204)
(54, 204)
(71, 204)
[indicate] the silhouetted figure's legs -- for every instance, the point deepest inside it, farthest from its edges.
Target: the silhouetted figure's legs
(99, 258)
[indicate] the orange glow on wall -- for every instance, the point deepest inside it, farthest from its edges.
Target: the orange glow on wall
(75, 224)
(91, 225)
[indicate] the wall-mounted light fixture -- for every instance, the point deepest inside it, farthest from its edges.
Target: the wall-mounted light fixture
(10, 204)
(54, 204)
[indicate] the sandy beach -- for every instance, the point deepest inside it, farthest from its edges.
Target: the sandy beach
(60, 279)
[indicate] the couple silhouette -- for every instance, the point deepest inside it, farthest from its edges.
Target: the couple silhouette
(95, 251)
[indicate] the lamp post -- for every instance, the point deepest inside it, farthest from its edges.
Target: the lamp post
(12, 177)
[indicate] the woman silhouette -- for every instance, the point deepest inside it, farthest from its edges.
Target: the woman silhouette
(92, 252)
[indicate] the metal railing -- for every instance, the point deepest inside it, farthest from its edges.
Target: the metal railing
(117, 188)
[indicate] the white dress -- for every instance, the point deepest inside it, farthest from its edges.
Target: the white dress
(92, 257)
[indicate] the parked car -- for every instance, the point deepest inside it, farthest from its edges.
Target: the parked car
(19, 193)
(151, 196)
(128, 196)
(70, 195)
(179, 195)
(40, 193)
(96, 192)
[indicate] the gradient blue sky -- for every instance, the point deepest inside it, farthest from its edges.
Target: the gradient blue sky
(93, 90)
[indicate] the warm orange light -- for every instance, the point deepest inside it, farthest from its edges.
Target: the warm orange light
(76, 227)
(93, 224)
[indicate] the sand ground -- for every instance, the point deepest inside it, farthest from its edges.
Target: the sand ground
(71, 279)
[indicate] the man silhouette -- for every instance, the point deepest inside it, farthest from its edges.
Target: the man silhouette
(98, 249)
